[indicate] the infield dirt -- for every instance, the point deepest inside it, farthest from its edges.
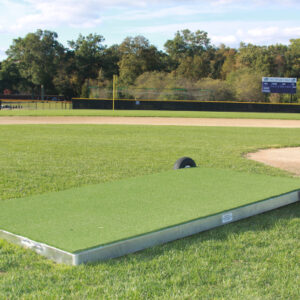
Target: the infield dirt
(153, 121)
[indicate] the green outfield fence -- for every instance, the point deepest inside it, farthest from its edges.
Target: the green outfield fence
(183, 105)
(184, 99)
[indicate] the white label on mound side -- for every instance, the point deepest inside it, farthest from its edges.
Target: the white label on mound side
(226, 218)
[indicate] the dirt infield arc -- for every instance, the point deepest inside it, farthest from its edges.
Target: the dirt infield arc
(153, 121)
(283, 158)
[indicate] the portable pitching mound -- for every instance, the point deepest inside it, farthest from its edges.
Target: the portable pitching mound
(112, 219)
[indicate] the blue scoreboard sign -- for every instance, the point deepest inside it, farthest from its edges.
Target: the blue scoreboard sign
(279, 85)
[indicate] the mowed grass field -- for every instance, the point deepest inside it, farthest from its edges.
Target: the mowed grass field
(43, 111)
(257, 258)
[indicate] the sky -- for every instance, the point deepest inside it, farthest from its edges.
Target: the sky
(260, 22)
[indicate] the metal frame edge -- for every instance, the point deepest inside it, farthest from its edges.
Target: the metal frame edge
(183, 230)
(166, 235)
(55, 254)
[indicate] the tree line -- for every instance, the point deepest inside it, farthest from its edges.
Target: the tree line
(188, 61)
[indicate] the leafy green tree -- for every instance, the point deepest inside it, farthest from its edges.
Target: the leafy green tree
(111, 58)
(246, 84)
(254, 57)
(219, 90)
(190, 53)
(162, 85)
(189, 62)
(187, 43)
(155, 80)
(10, 77)
(279, 57)
(37, 58)
(216, 60)
(229, 64)
(194, 67)
(149, 85)
(138, 56)
(66, 79)
(88, 56)
(293, 57)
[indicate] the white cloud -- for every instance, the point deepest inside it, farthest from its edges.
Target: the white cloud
(33, 14)
(232, 33)
(292, 31)
(226, 39)
(29, 15)
(267, 35)
(59, 13)
(116, 18)
(263, 32)
(146, 14)
(223, 2)
(255, 2)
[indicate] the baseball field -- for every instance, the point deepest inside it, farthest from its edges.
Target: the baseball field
(254, 258)
(149, 113)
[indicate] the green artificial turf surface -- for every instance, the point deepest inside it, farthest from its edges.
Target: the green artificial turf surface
(150, 113)
(94, 215)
